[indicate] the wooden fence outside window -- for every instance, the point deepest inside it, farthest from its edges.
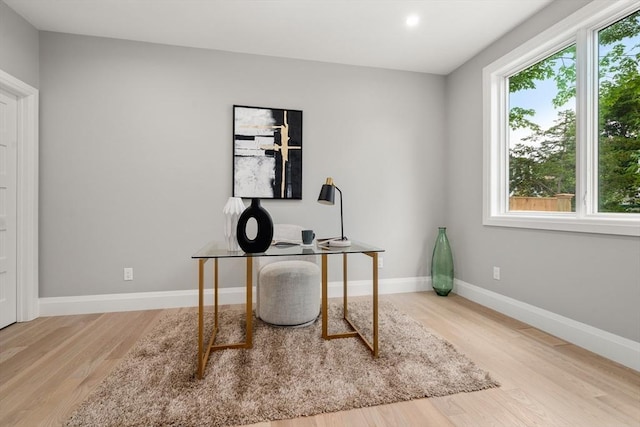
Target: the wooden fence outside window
(559, 203)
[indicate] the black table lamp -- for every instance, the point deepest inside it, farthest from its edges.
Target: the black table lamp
(327, 197)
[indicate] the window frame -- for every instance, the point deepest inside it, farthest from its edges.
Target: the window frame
(580, 28)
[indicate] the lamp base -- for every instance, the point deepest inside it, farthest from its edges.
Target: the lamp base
(342, 243)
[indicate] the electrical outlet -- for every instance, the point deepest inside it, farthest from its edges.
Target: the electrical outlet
(380, 262)
(128, 273)
(496, 273)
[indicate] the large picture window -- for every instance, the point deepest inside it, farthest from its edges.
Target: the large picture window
(562, 126)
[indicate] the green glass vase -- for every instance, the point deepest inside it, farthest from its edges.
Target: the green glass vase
(442, 264)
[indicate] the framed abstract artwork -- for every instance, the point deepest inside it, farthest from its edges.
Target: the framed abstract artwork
(267, 153)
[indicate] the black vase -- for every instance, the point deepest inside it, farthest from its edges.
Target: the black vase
(264, 235)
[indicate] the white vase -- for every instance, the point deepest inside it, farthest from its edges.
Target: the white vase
(232, 211)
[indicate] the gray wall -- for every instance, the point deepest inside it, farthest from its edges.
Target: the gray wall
(136, 166)
(18, 46)
(136, 159)
(594, 279)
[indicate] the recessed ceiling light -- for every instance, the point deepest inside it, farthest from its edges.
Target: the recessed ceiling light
(413, 20)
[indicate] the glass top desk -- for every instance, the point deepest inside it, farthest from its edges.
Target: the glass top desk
(218, 250)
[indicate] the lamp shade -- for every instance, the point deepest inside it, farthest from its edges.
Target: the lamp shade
(327, 193)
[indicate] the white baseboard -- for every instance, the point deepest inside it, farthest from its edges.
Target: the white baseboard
(616, 348)
(606, 344)
(62, 306)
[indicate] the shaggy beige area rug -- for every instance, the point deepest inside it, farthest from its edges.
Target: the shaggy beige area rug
(289, 372)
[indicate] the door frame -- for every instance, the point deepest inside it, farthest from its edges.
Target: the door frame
(26, 195)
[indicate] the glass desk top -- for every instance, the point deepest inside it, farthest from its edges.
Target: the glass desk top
(218, 249)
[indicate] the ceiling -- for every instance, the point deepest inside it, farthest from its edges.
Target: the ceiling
(370, 33)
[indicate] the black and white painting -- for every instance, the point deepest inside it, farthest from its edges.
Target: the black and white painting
(267, 153)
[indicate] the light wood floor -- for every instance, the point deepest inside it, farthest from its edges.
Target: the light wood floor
(48, 366)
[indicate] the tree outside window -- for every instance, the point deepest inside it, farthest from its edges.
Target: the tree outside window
(619, 116)
(542, 126)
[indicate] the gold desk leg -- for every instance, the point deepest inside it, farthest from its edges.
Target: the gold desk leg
(248, 342)
(325, 308)
(204, 352)
(201, 263)
(374, 260)
(215, 295)
(325, 303)
(249, 303)
(373, 347)
(344, 287)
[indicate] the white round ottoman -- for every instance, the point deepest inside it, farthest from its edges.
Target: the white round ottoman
(289, 293)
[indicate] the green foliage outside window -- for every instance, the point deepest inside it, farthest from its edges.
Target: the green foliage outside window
(543, 164)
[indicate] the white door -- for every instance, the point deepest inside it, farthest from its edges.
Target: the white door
(8, 214)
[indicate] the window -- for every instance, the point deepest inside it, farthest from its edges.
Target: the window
(619, 116)
(562, 126)
(542, 137)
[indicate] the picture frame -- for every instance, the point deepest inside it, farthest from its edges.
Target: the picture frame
(267, 153)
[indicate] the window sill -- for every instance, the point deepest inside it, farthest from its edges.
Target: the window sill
(599, 224)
